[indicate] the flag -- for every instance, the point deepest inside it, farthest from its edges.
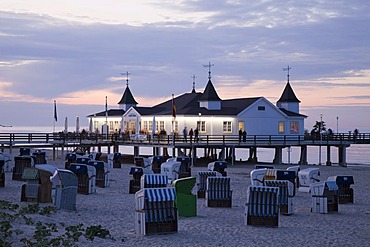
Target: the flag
(173, 107)
(55, 111)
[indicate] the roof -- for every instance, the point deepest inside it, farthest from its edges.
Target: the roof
(291, 114)
(127, 98)
(209, 93)
(288, 95)
(111, 113)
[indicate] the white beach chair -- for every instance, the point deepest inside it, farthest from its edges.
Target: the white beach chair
(324, 197)
(258, 176)
(66, 183)
(307, 177)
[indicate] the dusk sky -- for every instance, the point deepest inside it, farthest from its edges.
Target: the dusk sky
(74, 51)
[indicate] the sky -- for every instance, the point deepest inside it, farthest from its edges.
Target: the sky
(77, 52)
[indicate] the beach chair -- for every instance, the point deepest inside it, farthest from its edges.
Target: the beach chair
(70, 158)
(21, 162)
(270, 174)
(202, 181)
(262, 207)
(264, 167)
(83, 160)
(66, 183)
(156, 212)
(51, 169)
(185, 169)
(307, 177)
(218, 192)
(345, 192)
(324, 197)
(290, 176)
(86, 178)
(153, 181)
(102, 173)
(37, 187)
(285, 197)
(135, 182)
(186, 202)
(8, 161)
(156, 162)
(40, 157)
(171, 169)
(114, 160)
(296, 169)
(218, 166)
(2, 173)
(258, 176)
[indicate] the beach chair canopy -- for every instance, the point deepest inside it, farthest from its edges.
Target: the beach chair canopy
(160, 194)
(341, 180)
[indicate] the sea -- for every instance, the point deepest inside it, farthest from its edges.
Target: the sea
(357, 154)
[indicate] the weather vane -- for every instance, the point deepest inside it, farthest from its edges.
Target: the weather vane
(287, 69)
(209, 65)
(193, 77)
(127, 74)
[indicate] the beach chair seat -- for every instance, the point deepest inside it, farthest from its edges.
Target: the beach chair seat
(135, 182)
(324, 197)
(202, 181)
(153, 181)
(2, 173)
(345, 192)
(307, 177)
(86, 177)
(40, 157)
(258, 176)
(218, 193)
(156, 212)
(218, 166)
(285, 196)
(21, 162)
(262, 207)
(66, 183)
(38, 187)
(102, 173)
(186, 202)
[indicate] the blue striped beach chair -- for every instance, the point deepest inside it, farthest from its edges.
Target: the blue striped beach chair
(285, 194)
(202, 181)
(86, 178)
(102, 173)
(324, 197)
(345, 192)
(262, 207)
(218, 192)
(153, 181)
(156, 211)
(66, 183)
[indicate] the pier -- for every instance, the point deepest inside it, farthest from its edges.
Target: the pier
(214, 146)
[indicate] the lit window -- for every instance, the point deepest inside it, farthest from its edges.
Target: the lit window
(161, 125)
(227, 127)
(202, 126)
(294, 127)
(145, 125)
(281, 128)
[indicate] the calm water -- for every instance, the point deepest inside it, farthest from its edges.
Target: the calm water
(356, 154)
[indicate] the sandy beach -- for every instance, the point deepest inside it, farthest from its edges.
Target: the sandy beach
(114, 209)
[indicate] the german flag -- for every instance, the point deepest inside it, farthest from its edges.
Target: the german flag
(173, 107)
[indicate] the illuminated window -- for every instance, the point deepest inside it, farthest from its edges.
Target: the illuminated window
(227, 127)
(202, 126)
(281, 128)
(294, 127)
(146, 125)
(161, 125)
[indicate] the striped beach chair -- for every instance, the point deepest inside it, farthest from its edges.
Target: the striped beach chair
(324, 197)
(38, 186)
(66, 183)
(40, 157)
(285, 197)
(218, 166)
(86, 178)
(262, 207)
(218, 192)
(102, 173)
(290, 176)
(21, 162)
(202, 181)
(156, 211)
(153, 181)
(345, 192)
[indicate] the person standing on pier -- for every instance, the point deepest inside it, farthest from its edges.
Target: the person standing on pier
(191, 135)
(240, 135)
(185, 132)
(244, 136)
(196, 134)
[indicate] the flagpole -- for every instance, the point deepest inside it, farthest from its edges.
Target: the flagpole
(55, 114)
(173, 127)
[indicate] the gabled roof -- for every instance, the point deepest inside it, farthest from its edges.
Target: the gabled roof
(288, 95)
(111, 113)
(209, 93)
(291, 114)
(127, 98)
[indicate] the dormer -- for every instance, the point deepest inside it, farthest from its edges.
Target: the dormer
(209, 98)
(288, 100)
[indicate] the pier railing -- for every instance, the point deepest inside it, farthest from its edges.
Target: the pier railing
(61, 138)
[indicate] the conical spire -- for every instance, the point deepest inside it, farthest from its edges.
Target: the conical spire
(288, 95)
(209, 93)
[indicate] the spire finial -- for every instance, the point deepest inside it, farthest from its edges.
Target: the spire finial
(193, 77)
(127, 79)
(209, 65)
(287, 69)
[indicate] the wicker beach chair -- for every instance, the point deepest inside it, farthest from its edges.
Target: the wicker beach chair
(307, 177)
(218, 193)
(38, 187)
(156, 212)
(40, 157)
(70, 158)
(153, 181)
(102, 173)
(262, 207)
(345, 192)
(156, 162)
(324, 197)
(66, 183)
(218, 166)
(86, 176)
(258, 176)
(202, 181)
(186, 202)
(2, 173)
(20, 163)
(285, 195)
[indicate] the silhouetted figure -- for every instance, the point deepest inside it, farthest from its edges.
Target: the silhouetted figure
(240, 135)
(244, 136)
(191, 133)
(196, 135)
(185, 133)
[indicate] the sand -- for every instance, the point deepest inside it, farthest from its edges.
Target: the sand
(114, 209)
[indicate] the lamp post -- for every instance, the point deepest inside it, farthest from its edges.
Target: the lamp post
(320, 128)
(337, 125)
